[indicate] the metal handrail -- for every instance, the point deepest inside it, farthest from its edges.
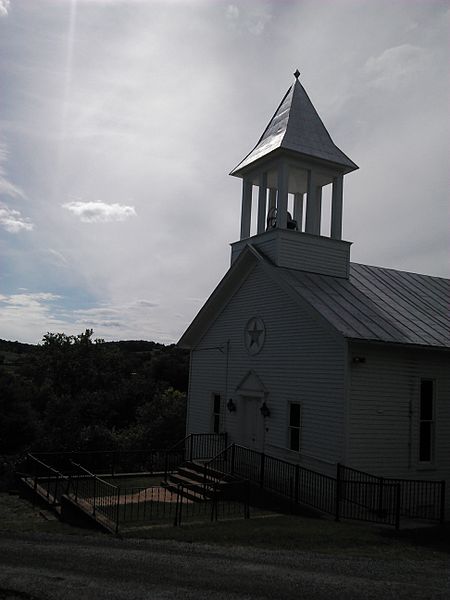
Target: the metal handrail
(51, 476)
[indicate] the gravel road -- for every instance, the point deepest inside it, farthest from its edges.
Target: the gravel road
(56, 567)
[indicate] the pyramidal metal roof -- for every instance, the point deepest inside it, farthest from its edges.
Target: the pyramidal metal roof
(296, 126)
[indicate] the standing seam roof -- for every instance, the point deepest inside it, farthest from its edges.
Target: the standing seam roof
(379, 304)
(402, 301)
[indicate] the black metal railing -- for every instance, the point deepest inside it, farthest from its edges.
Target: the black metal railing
(418, 499)
(112, 462)
(200, 446)
(365, 497)
(352, 494)
(47, 482)
(108, 462)
(291, 481)
(117, 507)
(157, 504)
(97, 497)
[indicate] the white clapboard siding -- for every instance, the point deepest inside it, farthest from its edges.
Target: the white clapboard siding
(384, 411)
(302, 361)
(301, 251)
(314, 254)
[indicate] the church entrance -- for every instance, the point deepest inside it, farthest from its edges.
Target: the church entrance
(252, 425)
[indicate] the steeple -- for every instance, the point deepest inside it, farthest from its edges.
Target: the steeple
(293, 160)
(296, 127)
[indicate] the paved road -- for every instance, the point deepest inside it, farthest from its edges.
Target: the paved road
(54, 567)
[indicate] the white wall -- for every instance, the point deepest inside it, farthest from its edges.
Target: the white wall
(384, 412)
(301, 362)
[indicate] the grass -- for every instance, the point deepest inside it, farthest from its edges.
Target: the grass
(274, 532)
(296, 533)
(19, 515)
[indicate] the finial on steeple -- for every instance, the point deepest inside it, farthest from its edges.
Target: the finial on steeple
(297, 74)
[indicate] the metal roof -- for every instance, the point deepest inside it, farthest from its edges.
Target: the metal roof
(379, 304)
(375, 304)
(297, 127)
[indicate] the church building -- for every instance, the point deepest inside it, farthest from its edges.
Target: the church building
(300, 353)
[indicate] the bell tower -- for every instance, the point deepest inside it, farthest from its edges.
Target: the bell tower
(291, 163)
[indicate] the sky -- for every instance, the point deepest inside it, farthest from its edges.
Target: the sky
(121, 119)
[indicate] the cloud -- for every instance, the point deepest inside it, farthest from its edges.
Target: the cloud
(100, 212)
(4, 7)
(395, 65)
(27, 316)
(232, 12)
(55, 257)
(12, 220)
(7, 188)
(146, 303)
(109, 321)
(252, 20)
(31, 299)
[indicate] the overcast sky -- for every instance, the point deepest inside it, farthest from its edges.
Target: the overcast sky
(121, 119)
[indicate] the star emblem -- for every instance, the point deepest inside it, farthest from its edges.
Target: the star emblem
(255, 334)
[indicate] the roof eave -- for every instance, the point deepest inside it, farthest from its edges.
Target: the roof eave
(241, 172)
(227, 286)
(393, 343)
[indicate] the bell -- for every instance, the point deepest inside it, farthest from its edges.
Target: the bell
(272, 220)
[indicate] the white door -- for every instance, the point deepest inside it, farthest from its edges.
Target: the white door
(252, 425)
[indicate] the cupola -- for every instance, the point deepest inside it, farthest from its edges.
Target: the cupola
(291, 163)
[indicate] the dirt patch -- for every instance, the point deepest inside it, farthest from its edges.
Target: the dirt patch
(152, 494)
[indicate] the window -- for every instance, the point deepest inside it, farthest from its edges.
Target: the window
(216, 413)
(426, 417)
(294, 426)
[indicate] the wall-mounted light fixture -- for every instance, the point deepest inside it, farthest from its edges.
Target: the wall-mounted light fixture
(265, 410)
(231, 405)
(358, 360)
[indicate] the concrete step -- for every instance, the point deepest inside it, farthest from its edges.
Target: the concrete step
(185, 492)
(196, 475)
(211, 473)
(192, 486)
(191, 474)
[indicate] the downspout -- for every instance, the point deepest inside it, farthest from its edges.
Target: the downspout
(413, 392)
(225, 400)
(346, 404)
(188, 403)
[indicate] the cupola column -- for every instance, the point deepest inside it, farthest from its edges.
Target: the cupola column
(282, 199)
(272, 198)
(246, 212)
(262, 202)
(298, 210)
(313, 205)
(336, 207)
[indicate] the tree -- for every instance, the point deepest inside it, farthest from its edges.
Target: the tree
(76, 392)
(160, 422)
(19, 424)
